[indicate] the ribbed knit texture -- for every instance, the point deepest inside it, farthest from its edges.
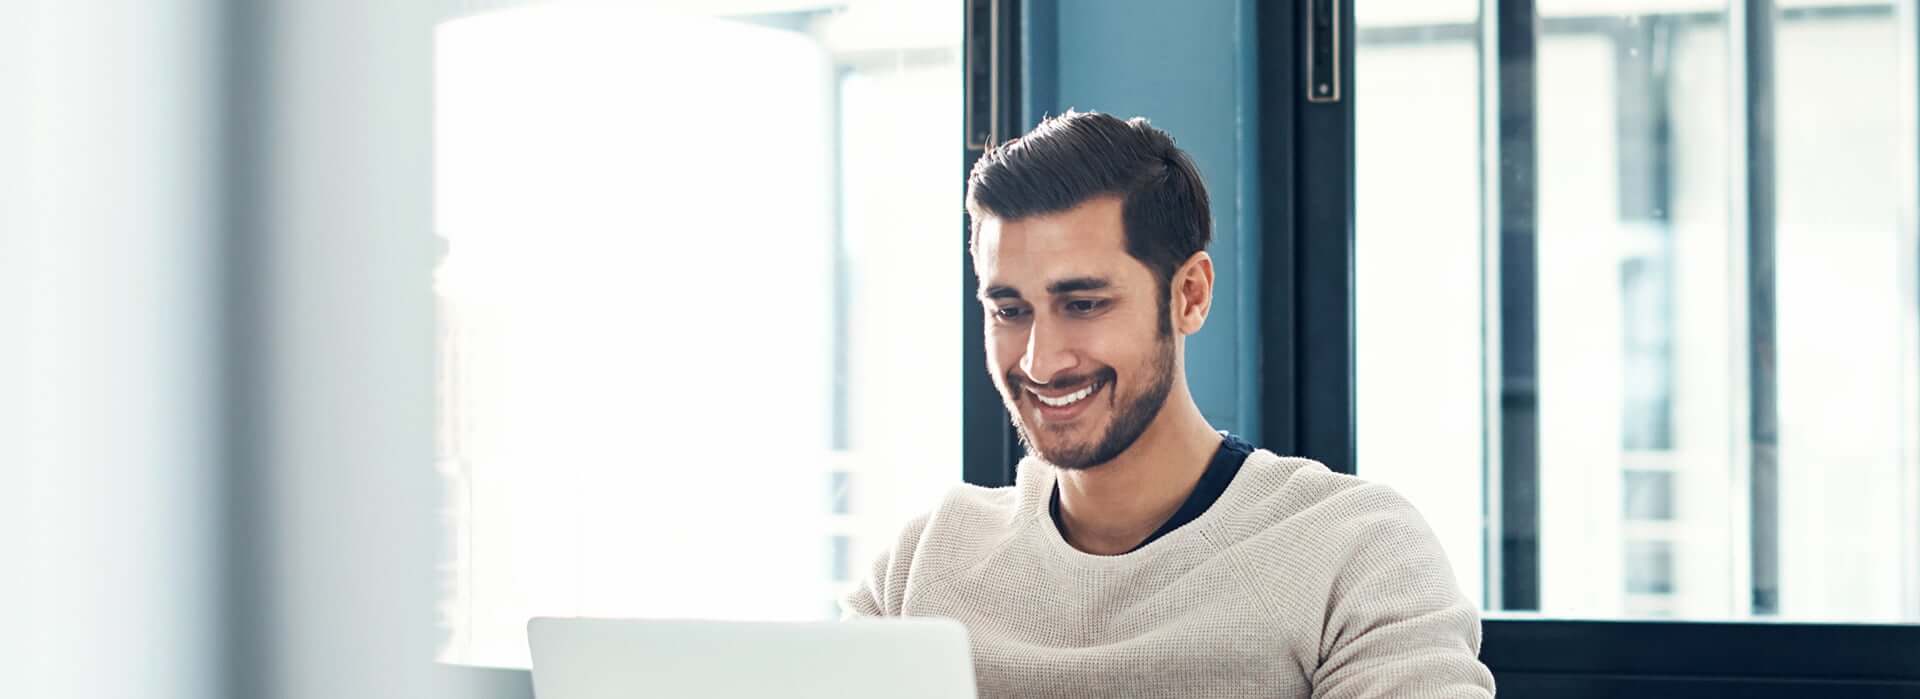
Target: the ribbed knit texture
(1298, 582)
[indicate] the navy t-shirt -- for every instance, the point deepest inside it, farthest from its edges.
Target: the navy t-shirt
(1220, 471)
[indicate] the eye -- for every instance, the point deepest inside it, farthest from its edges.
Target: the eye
(1085, 306)
(1008, 313)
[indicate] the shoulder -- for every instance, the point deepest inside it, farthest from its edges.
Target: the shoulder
(968, 523)
(1299, 503)
(1345, 550)
(969, 509)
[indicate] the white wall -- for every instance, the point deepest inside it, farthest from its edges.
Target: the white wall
(109, 442)
(347, 533)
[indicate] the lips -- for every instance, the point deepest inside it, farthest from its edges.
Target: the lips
(1061, 400)
(1065, 406)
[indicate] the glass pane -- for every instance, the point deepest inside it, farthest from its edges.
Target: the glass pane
(688, 264)
(1847, 482)
(1419, 228)
(1632, 181)
(1663, 486)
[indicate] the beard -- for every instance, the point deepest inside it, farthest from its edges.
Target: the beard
(1132, 413)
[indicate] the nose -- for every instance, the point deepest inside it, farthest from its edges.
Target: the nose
(1048, 354)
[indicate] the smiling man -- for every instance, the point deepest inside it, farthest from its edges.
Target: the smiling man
(1140, 552)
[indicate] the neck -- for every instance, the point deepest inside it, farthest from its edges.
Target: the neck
(1110, 508)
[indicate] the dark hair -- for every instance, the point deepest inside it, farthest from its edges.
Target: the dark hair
(1077, 156)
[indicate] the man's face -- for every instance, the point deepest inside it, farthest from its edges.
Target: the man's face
(1073, 332)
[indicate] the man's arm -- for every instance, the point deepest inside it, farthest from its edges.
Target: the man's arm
(1397, 625)
(866, 599)
(883, 591)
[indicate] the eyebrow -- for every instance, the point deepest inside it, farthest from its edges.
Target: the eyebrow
(1068, 286)
(1055, 288)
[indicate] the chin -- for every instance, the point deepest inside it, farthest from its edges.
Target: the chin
(1049, 450)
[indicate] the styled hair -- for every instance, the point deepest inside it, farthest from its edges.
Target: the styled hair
(1078, 156)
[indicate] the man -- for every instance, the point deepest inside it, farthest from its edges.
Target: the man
(1140, 552)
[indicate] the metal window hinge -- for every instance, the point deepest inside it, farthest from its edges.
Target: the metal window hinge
(986, 72)
(1323, 50)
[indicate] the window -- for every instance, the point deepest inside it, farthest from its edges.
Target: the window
(1675, 268)
(695, 353)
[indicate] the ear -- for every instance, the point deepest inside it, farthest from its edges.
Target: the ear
(1192, 287)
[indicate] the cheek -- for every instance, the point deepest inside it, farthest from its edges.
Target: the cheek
(1130, 354)
(1004, 346)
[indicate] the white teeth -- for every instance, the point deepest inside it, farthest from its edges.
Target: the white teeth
(1068, 399)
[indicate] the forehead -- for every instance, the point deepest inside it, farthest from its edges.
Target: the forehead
(1087, 240)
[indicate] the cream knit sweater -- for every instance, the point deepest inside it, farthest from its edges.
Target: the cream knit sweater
(1297, 582)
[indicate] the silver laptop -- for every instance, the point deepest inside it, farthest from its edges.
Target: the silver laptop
(863, 659)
